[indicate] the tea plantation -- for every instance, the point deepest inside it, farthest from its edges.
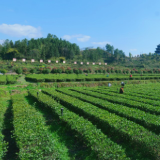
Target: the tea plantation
(82, 123)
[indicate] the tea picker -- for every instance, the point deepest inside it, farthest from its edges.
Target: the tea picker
(122, 88)
(109, 85)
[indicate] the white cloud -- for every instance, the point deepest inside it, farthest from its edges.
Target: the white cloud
(101, 43)
(2, 41)
(18, 30)
(67, 37)
(83, 38)
(133, 50)
(79, 37)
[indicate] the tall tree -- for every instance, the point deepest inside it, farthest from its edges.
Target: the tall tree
(110, 49)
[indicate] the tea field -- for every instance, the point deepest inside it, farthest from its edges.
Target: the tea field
(81, 123)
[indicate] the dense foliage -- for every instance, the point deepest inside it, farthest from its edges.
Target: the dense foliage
(30, 132)
(52, 47)
(139, 137)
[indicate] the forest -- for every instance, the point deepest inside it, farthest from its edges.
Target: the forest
(53, 47)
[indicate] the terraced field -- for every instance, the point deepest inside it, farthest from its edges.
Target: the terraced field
(82, 123)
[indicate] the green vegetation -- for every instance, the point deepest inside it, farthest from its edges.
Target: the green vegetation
(54, 48)
(3, 144)
(85, 77)
(93, 137)
(97, 122)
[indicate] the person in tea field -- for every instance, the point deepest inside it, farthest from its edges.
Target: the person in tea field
(109, 85)
(122, 88)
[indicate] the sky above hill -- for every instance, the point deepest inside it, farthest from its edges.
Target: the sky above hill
(129, 25)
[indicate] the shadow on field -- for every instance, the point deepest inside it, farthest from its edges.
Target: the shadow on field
(7, 132)
(77, 149)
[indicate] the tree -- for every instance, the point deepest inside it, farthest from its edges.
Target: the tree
(130, 55)
(110, 49)
(12, 53)
(116, 54)
(50, 35)
(61, 59)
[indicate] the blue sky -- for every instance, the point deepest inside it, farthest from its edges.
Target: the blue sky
(129, 25)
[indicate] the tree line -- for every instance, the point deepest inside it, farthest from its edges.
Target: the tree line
(53, 47)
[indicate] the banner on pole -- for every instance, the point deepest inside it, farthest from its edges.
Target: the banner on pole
(14, 59)
(32, 60)
(23, 60)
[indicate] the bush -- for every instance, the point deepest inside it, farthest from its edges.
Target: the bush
(46, 71)
(80, 71)
(24, 70)
(70, 71)
(54, 70)
(3, 71)
(112, 71)
(33, 70)
(59, 71)
(19, 71)
(76, 71)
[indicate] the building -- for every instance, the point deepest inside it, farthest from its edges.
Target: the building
(158, 49)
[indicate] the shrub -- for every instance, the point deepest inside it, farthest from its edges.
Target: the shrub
(33, 70)
(54, 70)
(18, 70)
(70, 71)
(59, 71)
(4, 71)
(46, 71)
(40, 70)
(80, 71)
(76, 72)
(24, 70)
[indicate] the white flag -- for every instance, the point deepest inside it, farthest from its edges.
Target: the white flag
(14, 59)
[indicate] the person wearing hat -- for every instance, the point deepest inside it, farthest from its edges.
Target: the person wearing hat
(122, 88)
